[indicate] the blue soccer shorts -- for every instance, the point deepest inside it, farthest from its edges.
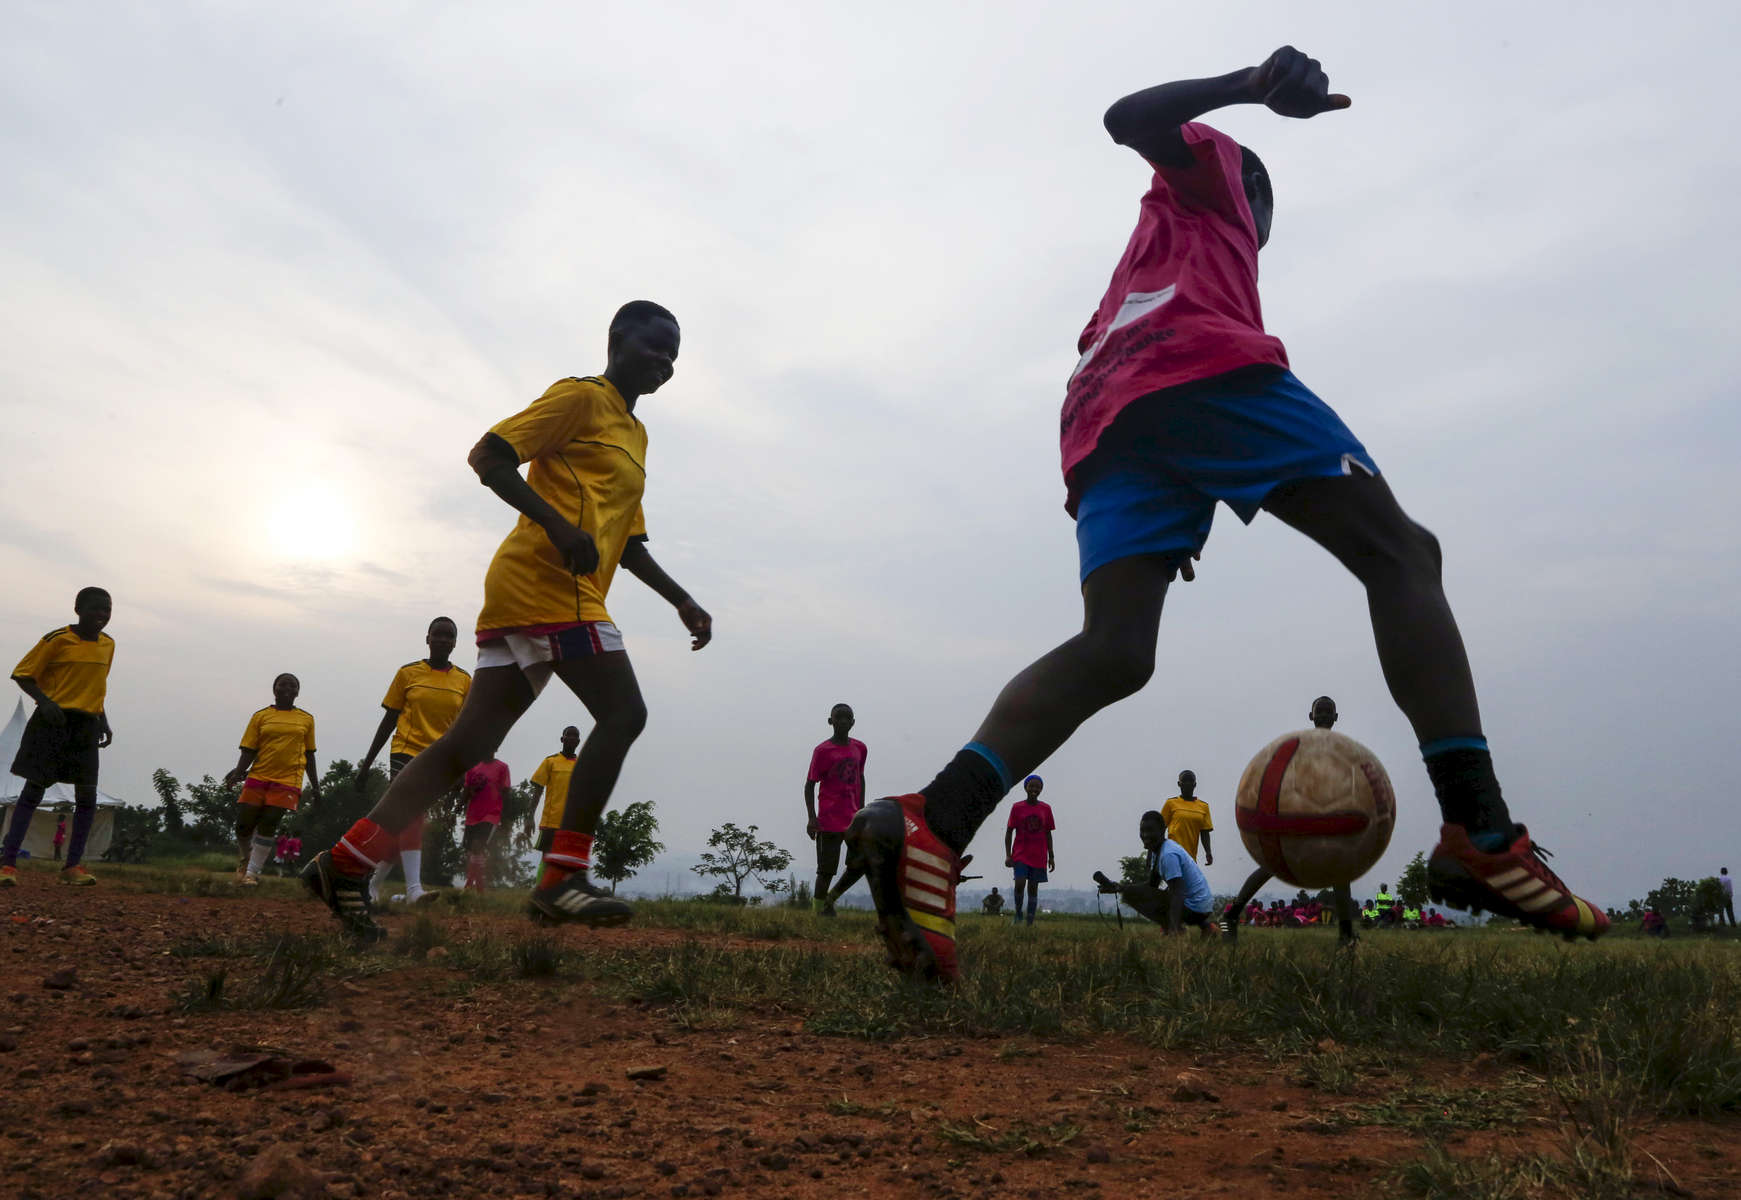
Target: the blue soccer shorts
(1151, 484)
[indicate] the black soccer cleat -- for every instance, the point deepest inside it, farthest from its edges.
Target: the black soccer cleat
(346, 898)
(578, 899)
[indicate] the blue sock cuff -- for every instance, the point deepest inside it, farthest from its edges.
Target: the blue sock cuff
(997, 763)
(1432, 749)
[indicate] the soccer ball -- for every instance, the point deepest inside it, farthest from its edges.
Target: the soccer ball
(1316, 808)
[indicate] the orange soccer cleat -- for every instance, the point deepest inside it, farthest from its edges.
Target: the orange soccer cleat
(1514, 882)
(912, 877)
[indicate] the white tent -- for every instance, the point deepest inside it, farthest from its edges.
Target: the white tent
(39, 838)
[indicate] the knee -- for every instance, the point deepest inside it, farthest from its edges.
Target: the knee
(1118, 667)
(1399, 547)
(626, 721)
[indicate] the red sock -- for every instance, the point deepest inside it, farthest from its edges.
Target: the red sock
(364, 847)
(411, 837)
(569, 852)
(474, 872)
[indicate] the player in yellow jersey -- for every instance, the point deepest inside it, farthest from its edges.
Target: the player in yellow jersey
(544, 614)
(1187, 818)
(277, 748)
(67, 674)
(422, 701)
(550, 782)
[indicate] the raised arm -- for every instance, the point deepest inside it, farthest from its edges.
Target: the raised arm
(638, 561)
(1287, 83)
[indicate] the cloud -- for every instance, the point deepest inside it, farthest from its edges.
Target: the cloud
(278, 270)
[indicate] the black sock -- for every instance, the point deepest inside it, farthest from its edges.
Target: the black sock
(963, 795)
(1468, 792)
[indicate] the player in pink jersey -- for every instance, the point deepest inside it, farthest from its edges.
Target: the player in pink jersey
(1027, 846)
(833, 793)
(1181, 400)
(485, 785)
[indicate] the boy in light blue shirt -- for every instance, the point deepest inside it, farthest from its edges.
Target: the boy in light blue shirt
(1176, 894)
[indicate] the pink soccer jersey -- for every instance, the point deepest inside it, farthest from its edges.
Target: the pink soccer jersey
(1182, 304)
(838, 772)
(1031, 823)
(485, 785)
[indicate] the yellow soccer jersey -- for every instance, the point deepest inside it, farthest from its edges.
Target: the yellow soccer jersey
(552, 775)
(588, 454)
(70, 671)
(1186, 821)
(282, 739)
(428, 700)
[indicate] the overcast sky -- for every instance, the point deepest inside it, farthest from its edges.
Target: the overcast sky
(269, 272)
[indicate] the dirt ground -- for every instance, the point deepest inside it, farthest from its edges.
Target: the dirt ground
(522, 1089)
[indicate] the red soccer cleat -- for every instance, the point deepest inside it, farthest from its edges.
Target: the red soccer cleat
(1513, 882)
(912, 877)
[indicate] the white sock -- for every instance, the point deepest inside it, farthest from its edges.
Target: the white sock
(412, 861)
(379, 878)
(257, 857)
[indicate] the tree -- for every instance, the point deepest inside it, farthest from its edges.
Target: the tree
(1134, 868)
(1707, 900)
(625, 842)
(211, 812)
(1672, 898)
(135, 828)
(168, 790)
(737, 854)
(1411, 887)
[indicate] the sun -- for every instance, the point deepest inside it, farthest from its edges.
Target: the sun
(311, 523)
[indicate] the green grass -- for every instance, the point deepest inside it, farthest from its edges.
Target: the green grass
(1659, 1015)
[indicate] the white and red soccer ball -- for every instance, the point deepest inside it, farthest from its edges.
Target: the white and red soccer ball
(1316, 808)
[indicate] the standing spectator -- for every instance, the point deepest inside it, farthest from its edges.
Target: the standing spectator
(1188, 819)
(281, 852)
(485, 786)
(1728, 895)
(59, 835)
(1027, 845)
(837, 773)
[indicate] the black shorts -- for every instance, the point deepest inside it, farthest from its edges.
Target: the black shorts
(49, 755)
(828, 852)
(396, 763)
(545, 834)
(478, 835)
(1196, 918)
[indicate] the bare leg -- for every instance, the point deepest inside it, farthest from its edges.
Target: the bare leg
(606, 684)
(1345, 915)
(1358, 520)
(1113, 657)
(498, 698)
(248, 817)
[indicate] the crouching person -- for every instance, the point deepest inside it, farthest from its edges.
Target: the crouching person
(1175, 894)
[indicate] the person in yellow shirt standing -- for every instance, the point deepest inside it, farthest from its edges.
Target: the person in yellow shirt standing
(1187, 818)
(421, 702)
(67, 674)
(544, 614)
(550, 782)
(277, 748)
